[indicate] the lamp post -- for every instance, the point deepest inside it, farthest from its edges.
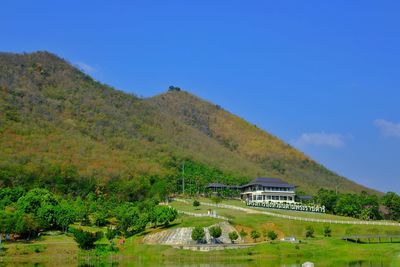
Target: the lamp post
(183, 178)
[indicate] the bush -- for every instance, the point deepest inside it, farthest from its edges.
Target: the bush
(309, 232)
(85, 239)
(272, 235)
(215, 232)
(254, 235)
(233, 236)
(327, 231)
(242, 233)
(111, 233)
(198, 234)
(196, 203)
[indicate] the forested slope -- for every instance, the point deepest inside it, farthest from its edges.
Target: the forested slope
(61, 129)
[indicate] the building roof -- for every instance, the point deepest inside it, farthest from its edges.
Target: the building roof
(272, 182)
(305, 197)
(216, 185)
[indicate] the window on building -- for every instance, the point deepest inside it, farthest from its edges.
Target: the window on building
(259, 197)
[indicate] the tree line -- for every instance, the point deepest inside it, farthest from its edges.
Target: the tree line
(362, 206)
(24, 214)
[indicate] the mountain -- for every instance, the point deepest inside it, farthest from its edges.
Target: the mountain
(61, 129)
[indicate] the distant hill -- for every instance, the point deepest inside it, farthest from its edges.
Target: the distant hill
(59, 127)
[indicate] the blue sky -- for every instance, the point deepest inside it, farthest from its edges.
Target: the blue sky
(321, 75)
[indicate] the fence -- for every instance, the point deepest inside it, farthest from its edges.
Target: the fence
(289, 217)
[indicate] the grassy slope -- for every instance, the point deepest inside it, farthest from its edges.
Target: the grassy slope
(284, 227)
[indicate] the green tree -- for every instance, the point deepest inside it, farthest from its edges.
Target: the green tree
(7, 222)
(100, 218)
(243, 233)
(327, 231)
(26, 225)
(198, 234)
(111, 233)
(34, 199)
(131, 220)
(327, 198)
(348, 205)
(196, 203)
(216, 199)
(127, 214)
(46, 215)
(254, 235)
(272, 235)
(215, 232)
(309, 232)
(163, 215)
(9, 196)
(233, 236)
(391, 201)
(85, 239)
(65, 215)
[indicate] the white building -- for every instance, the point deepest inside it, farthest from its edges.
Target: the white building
(268, 190)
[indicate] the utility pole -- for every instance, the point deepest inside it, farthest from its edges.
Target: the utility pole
(183, 178)
(337, 187)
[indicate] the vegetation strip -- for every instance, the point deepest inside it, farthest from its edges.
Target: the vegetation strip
(292, 217)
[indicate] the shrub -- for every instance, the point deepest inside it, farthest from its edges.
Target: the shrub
(272, 235)
(242, 233)
(233, 236)
(196, 203)
(198, 234)
(215, 232)
(216, 199)
(111, 233)
(254, 235)
(85, 239)
(309, 232)
(327, 231)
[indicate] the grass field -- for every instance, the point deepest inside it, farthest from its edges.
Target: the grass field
(332, 251)
(285, 227)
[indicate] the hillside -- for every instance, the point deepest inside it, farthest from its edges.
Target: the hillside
(251, 143)
(61, 129)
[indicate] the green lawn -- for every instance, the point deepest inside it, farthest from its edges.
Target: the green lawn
(285, 227)
(62, 250)
(239, 203)
(324, 252)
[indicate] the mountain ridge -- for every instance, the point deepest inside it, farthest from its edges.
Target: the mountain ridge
(51, 112)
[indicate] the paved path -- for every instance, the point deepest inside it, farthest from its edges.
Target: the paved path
(289, 217)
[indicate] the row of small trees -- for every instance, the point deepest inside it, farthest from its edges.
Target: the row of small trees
(198, 234)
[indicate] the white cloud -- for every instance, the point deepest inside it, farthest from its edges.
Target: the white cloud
(388, 128)
(85, 67)
(321, 139)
